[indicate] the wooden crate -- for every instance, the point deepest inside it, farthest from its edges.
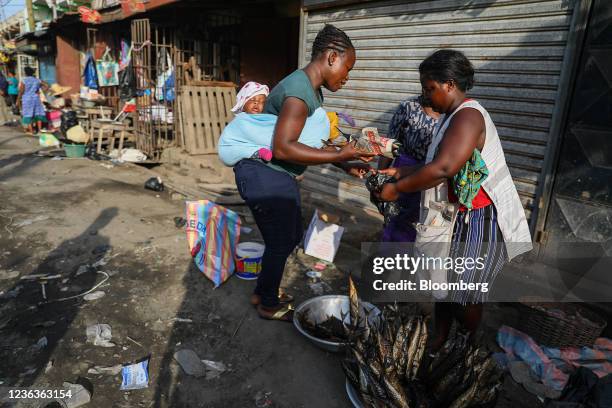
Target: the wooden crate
(205, 111)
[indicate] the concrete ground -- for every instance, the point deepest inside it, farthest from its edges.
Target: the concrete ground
(93, 223)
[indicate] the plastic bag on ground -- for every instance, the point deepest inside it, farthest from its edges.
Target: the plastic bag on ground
(68, 121)
(47, 139)
(100, 335)
(155, 184)
(135, 376)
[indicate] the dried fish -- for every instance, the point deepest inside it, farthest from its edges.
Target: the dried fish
(368, 400)
(464, 400)
(378, 391)
(458, 390)
(376, 367)
(409, 332)
(420, 352)
(490, 395)
(418, 395)
(391, 321)
(398, 351)
(463, 382)
(441, 355)
(353, 303)
(412, 348)
(395, 391)
(470, 396)
(359, 357)
(452, 359)
(358, 344)
(367, 382)
(384, 353)
(387, 364)
(365, 329)
(331, 328)
(448, 381)
(350, 368)
(364, 385)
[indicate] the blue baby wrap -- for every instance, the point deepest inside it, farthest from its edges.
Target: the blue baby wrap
(248, 133)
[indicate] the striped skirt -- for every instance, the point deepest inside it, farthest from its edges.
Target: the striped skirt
(479, 238)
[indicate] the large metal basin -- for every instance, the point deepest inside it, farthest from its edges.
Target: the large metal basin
(321, 307)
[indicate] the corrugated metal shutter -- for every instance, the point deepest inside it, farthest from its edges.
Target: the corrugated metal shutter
(516, 46)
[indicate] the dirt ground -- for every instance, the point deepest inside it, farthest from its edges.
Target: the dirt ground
(93, 223)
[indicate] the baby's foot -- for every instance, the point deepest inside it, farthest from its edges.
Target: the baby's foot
(265, 154)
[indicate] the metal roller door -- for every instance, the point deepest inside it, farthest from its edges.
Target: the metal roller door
(517, 48)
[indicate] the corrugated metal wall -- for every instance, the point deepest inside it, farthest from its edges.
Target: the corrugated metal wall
(516, 46)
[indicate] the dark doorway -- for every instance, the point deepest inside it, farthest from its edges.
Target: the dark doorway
(579, 224)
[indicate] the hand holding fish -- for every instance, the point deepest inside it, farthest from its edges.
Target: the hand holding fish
(350, 152)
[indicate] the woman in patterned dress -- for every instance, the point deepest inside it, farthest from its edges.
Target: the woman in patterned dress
(413, 125)
(32, 109)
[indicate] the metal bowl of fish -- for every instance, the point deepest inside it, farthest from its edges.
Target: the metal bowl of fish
(322, 320)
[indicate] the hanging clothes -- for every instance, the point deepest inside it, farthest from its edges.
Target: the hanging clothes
(90, 78)
(127, 83)
(125, 55)
(164, 65)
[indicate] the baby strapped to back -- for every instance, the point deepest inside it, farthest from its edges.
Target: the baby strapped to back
(250, 134)
(251, 100)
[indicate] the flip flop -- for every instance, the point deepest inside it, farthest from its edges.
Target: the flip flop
(282, 298)
(284, 314)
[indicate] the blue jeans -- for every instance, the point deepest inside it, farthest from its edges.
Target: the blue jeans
(274, 199)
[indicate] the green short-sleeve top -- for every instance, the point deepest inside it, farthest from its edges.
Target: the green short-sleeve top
(295, 85)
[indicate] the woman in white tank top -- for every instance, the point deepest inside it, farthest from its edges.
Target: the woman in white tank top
(490, 220)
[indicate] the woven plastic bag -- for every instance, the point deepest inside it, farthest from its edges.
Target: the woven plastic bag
(212, 234)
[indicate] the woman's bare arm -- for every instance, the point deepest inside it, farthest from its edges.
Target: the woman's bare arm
(464, 134)
(285, 144)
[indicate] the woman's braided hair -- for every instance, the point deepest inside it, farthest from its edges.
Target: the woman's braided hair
(330, 38)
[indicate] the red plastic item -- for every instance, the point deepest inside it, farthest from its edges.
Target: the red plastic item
(89, 15)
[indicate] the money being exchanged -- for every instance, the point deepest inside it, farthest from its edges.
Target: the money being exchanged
(368, 141)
